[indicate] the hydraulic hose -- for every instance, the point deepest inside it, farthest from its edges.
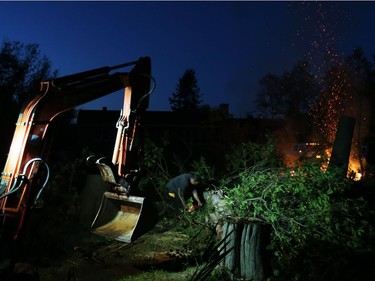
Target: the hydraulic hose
(22, 178)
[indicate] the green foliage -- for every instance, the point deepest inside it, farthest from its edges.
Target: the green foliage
(155, 168)
(301, 204)
(252, 154)
(159, 170)
(203, 169)
(159, 275)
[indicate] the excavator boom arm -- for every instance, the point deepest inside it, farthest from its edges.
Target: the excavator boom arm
(26, 161)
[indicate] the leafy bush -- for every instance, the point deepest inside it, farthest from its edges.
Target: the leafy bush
(306, 208)
(303, 205)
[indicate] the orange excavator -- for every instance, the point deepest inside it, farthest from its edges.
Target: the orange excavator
(26, 171)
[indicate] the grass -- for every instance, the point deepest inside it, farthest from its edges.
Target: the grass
(160, 275)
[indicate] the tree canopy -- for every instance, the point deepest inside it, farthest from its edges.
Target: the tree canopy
(288, 95)
(344, 88)
(22, 68)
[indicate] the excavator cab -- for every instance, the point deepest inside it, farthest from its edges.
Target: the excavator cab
(26, 171)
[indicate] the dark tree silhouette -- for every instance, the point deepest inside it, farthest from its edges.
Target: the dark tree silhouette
(299, 89)
(269, 100)
(288, 95)
(346, 90)
(187, 95)
(22, 68)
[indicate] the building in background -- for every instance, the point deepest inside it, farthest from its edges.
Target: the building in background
(207, 133)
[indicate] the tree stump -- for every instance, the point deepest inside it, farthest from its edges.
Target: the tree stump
(229, 237)
(244, 261)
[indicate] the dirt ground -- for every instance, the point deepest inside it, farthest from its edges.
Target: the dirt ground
(165, 251)
(74, 253)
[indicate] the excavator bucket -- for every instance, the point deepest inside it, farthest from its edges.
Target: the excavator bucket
(118, 217)
(119, 214)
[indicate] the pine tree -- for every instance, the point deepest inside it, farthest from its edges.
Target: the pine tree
(187, 95)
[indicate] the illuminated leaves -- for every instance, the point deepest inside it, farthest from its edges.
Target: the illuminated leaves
(301, 204)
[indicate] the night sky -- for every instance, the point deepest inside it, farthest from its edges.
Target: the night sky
(230, 45)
